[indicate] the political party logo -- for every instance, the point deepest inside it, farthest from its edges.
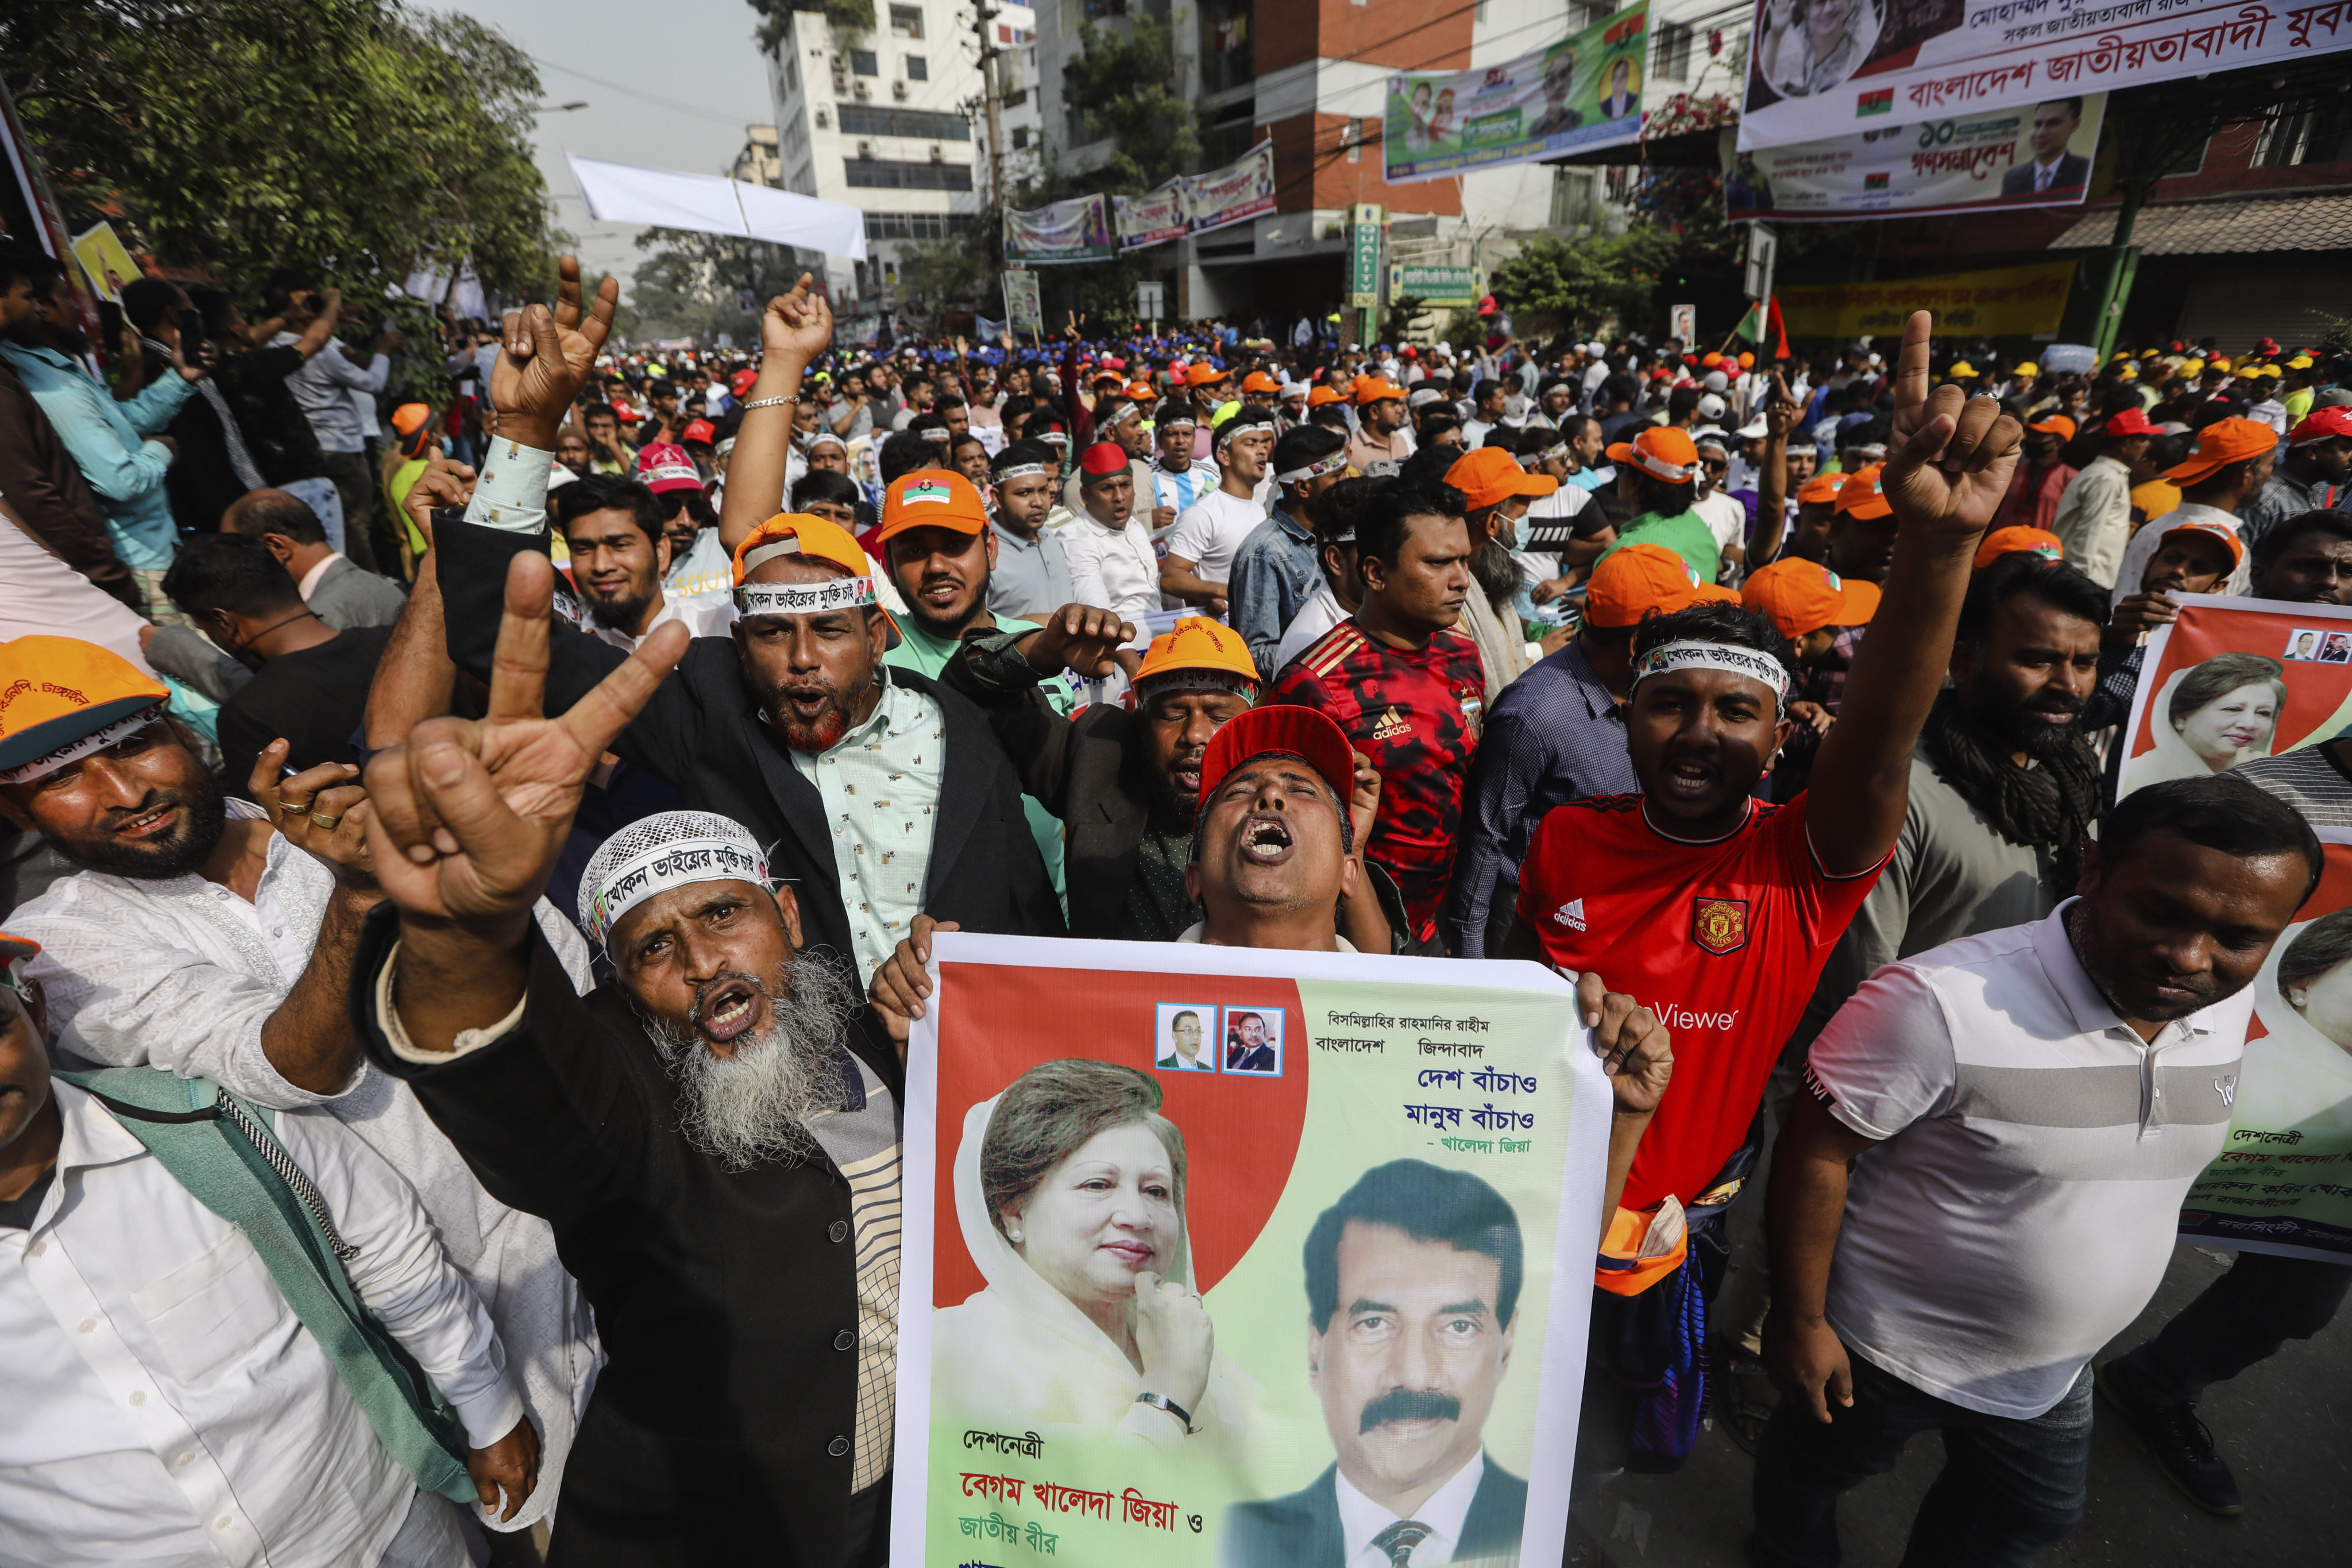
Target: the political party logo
(1869, 103)
(923, 490)
(1719, 925)
(1877, 182)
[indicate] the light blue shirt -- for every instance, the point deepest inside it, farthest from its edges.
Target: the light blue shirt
(110, 446)
(880, 783)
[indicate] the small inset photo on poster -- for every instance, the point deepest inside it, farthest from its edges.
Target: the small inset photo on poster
(1183, 1037)
(1253, 1041)
(2302, 645)
(2335, 647)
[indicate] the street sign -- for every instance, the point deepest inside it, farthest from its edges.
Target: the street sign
(1022, 307)
(1436, 285)
(1364, 257)
(1148, 300)
(1682, 321)
(1763, 251)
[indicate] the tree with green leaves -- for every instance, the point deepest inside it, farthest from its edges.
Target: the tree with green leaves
(228, 137)
(1556, 284)
(695, 285)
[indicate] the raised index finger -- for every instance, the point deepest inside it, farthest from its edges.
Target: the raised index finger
(519, 667)
(1911, 373)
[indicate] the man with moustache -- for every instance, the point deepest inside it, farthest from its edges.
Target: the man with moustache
(1246, 1049)
(620, 562)
(877, 792)
(1413, 1293)
(712, 1135)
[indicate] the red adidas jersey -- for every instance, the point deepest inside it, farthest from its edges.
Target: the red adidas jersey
(1416, 714)
(1724, 941)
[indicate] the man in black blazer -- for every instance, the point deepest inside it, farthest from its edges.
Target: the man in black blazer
(1413, 1288)
(2053, 168)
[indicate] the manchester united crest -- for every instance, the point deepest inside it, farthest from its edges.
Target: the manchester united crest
(1719, 925)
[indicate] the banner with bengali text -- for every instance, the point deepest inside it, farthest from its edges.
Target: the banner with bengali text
(1584, 92)
(1144, 1176)
(1235, 194)
(2031, 155)
(1818, 69)
(1075, 230)
(1154, 218)
(2000, 302)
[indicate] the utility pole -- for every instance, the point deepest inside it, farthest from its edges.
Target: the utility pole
(988, 53)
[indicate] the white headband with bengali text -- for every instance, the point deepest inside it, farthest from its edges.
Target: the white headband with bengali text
(1691, 654)
(805, 598)
(667, 866)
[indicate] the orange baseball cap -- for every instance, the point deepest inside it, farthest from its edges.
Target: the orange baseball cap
(931, 497)
(1198, 654)
(1801, 596)
(2003, 541)
(410, 418)
(1490, 475)
(2219, 444)
(1375, 389)
(2222, 530)
(62, 699)
(1862, 496)
(1661, 451)
(2057, 425)
(1822, 490)
(1140, 391)
(1635, 579)
(799, 533)
(1203, 373)
(1323, 395)
(1258, 381)
(1281, 730)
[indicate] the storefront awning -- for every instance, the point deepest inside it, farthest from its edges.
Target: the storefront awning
(2223, 228)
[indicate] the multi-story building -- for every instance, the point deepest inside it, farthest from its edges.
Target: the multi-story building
(883, 119)
(1310, 75)
(760, 163)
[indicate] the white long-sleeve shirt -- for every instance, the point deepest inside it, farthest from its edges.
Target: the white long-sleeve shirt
(181, 973)
(1115, 570)
(164, 1403)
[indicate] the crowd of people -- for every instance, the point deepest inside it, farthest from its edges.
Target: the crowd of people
(473, 861)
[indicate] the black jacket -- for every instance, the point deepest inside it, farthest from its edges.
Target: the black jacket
(1302, 1530)
(720, 1296)
(702, 732)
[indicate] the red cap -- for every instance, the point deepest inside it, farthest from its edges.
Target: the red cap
(663, 467)
(699, 430)
(1280, 729)
(2320, 425)
(2130, 421)
(740, 382)
(1103, 458)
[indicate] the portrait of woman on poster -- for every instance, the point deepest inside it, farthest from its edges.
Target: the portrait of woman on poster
(1811, 46)
(2299, 1073)
(1070, 1194)
(1416, 131)
(2211, 717)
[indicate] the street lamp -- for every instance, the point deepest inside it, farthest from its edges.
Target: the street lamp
(560, 108)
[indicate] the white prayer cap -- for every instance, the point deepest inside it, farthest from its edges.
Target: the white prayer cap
(655, 854)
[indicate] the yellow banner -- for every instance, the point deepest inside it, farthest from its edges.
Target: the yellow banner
(2001, 302)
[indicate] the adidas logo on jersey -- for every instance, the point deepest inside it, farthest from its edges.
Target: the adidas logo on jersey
(1392, 726)
(1570, 914)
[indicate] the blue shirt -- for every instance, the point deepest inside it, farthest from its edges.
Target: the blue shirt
(110, 446)
(1554, 735)
(1273, 573)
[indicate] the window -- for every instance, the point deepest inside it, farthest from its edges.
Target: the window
(2321, 135)
(1020, 137)
(918, 68)
(906, 21)
(890, 175)
(1672, 59)
(870, 120)
(1352, 139)
(862, 62)
(918, 226)
(1015, 98)
(1572, 198)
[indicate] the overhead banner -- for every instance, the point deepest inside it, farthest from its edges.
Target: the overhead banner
(1819, 68)
(1075, 230)
(1154, 218)
(2228, 682)
(1235, 194)
(1584, 91)
(2283, 1182)
(712, 204)
(1161, 1248)
(2000, 302)
(2036, 156)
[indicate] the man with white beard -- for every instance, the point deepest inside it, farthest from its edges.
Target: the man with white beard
(713, 1134)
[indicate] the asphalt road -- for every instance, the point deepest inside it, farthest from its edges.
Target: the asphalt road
(2285, 1427)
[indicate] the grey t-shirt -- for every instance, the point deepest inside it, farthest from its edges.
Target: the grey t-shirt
(2310, 780)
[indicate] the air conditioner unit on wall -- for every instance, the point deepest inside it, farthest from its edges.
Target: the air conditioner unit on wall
(938, 156)
(858, 92)
(823, 120)
(899, 90)
(866, 149)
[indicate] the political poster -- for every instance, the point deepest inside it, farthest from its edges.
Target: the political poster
(1819, 68)
(2283, 1182)
(1584, 91)
(104, 261)
(2028, 155)
(1176, 1214)
(2233, 679)
(1235, 194)
(1998, 301)
(1075, 230)
(1154, 218)
(1022, 305)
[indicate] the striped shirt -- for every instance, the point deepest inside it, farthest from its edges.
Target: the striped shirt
(862, 1141)
(2032, 1153)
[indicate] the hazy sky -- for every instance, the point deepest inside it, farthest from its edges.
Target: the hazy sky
(695, 78)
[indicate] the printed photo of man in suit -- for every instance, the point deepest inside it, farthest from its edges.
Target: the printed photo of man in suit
(2053, 168)
(1412, 1290)
(1183, 1052)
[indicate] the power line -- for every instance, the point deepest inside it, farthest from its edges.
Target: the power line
(668, 103)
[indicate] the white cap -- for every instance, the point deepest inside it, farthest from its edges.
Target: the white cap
(1754, 429)
(1710, 407)
(1715, 381)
